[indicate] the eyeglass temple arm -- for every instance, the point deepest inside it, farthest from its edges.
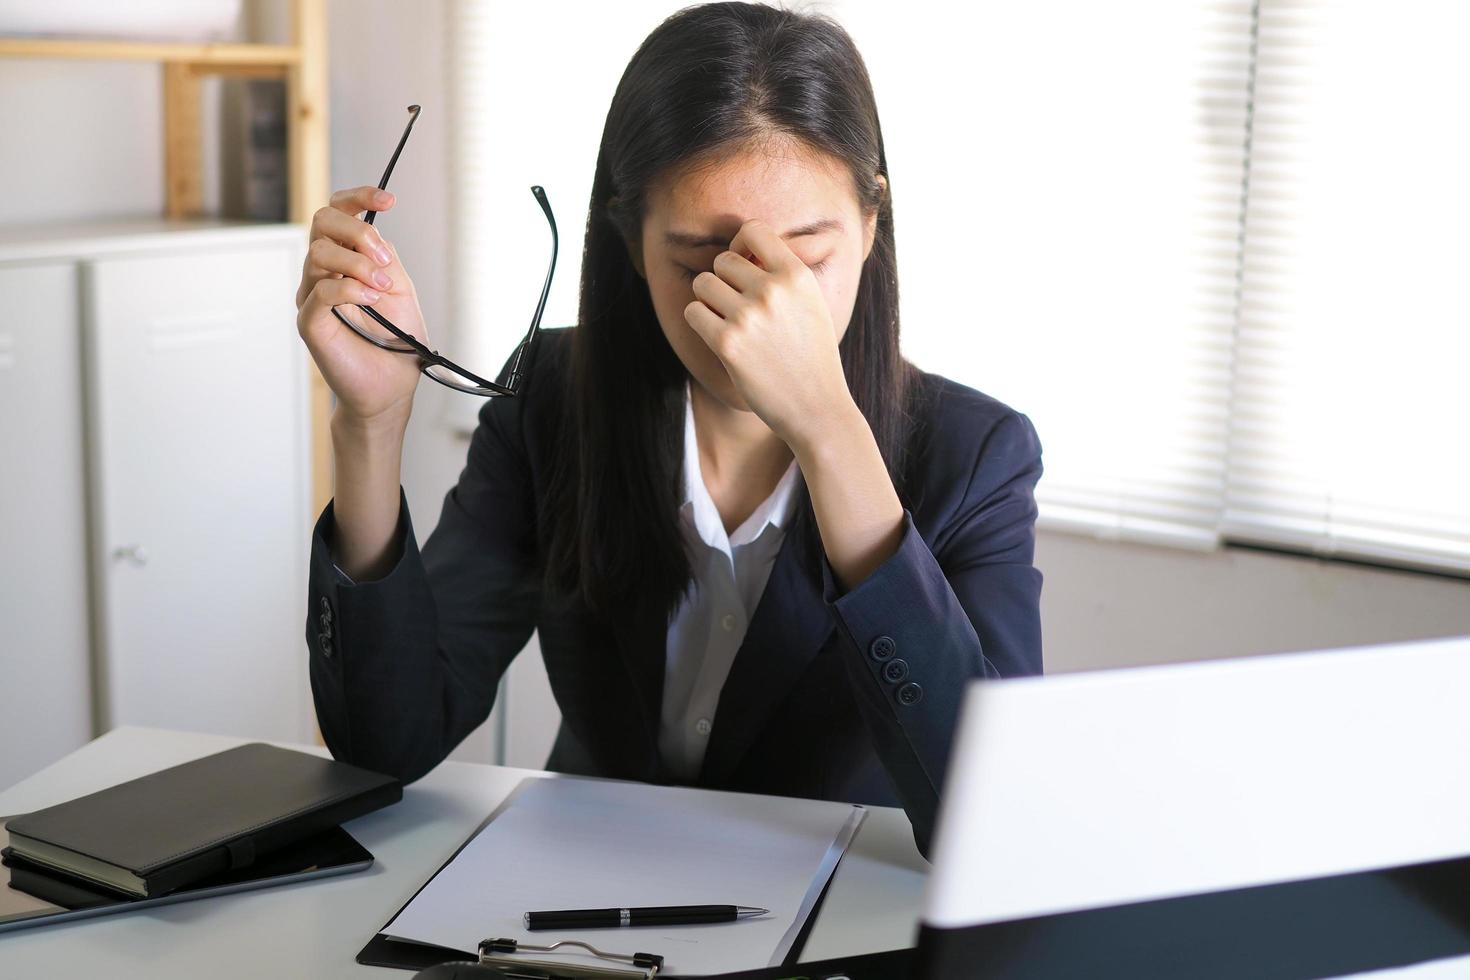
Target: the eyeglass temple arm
(514, 374)
(413, 115)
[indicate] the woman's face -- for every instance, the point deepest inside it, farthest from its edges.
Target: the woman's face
(693, 215)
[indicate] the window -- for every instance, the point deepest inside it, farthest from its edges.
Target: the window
(1351, 402)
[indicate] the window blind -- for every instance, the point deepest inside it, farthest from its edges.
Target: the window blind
(1067, 211)
(1350, 408)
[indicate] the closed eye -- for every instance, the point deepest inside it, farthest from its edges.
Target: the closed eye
(688, 274)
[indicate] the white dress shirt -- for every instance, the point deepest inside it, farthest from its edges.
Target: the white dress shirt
(730, 573)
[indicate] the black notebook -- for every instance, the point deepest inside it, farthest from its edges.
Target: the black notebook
(151, 835)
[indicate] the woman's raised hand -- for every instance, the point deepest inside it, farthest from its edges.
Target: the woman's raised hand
(349, 261)
(768, 322)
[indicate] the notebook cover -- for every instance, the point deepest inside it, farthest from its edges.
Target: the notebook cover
(34, 880)
(217, 813)
(304, 854)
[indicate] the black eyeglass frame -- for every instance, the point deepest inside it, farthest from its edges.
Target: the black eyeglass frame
(516, 371)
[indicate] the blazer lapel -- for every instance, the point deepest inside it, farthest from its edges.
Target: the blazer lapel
(789, 626)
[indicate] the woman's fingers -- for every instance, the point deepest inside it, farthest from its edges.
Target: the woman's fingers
(761, 240)
(717, 294)
(326, 256)
(352, 232)
(355, 200)
(708, 324)
(326, 294)
(738, 271)
(335, 238)
(335, 292)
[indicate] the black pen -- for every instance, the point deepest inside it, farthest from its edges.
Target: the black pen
(655, 915)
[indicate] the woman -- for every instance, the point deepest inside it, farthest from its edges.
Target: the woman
(763, 552)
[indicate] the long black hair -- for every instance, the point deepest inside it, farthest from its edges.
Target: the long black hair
(710, 78)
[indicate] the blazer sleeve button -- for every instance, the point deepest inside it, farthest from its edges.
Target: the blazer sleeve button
(882, 648)
(895, 670)
(910, 693)
(325, 642)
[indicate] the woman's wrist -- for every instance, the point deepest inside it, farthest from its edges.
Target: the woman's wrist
(368, 467)
(827, 435)
(859, 514)
(383, 431)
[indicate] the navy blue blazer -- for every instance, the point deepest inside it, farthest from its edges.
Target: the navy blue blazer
(842, 696)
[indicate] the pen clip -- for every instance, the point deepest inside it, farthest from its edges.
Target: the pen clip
(502, 955)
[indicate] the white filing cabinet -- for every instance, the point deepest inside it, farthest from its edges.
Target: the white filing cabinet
(155, 514)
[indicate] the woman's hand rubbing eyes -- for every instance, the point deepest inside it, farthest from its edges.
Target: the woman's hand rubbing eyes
(763, 313)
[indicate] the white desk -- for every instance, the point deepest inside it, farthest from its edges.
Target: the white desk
(315, 928)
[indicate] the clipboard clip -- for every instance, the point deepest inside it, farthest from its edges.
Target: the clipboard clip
(504, 955)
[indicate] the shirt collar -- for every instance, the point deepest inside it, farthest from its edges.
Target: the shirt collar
(774, 511)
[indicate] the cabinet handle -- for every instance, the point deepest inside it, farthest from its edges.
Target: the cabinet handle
(133, 553)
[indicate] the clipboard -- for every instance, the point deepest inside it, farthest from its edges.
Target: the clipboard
(383, 950)
(894, 964)
(510, 959)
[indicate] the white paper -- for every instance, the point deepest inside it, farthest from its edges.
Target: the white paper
(573, 843)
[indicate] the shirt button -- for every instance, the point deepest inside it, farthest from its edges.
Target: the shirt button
(728, 622)
(702, 726)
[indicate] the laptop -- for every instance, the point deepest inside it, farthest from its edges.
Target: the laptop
(1287, 816)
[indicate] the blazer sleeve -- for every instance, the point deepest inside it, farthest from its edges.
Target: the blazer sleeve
(932, 618)
(402, 668)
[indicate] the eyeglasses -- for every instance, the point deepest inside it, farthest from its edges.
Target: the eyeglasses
(436, 365)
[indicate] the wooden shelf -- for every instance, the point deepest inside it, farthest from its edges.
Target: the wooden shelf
(279, 56)
(303, 65)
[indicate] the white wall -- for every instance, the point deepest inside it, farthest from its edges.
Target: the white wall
(1104, 604)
